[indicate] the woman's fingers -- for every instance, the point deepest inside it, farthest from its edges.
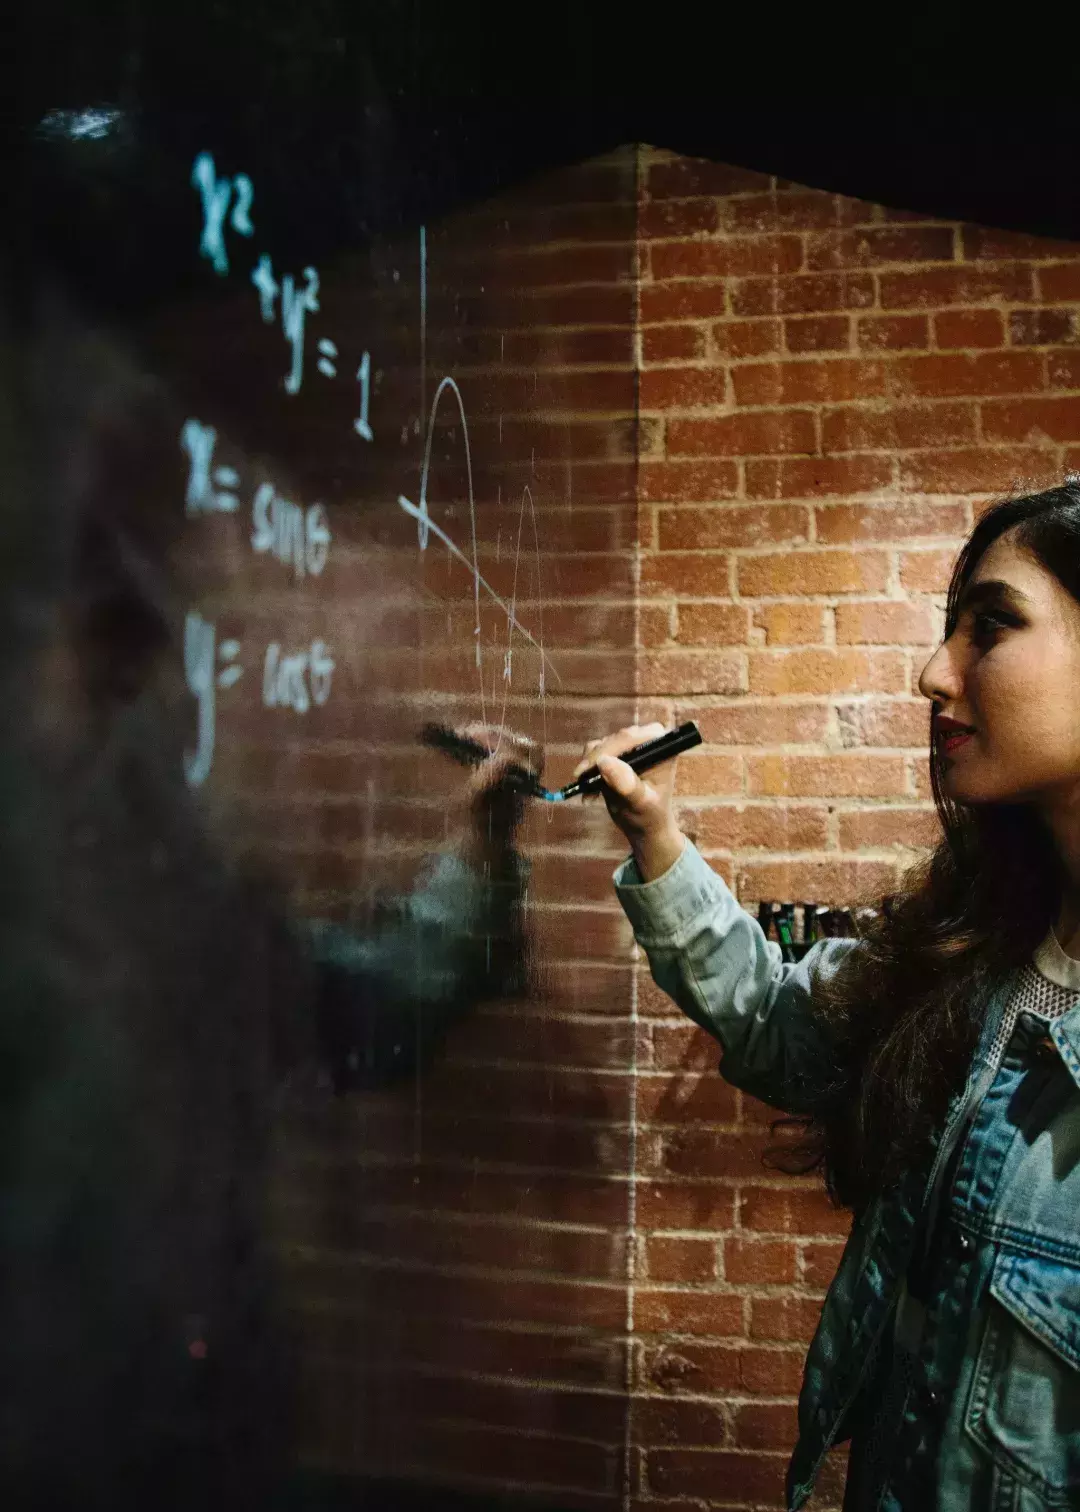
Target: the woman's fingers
(621, 778)
(618, 744)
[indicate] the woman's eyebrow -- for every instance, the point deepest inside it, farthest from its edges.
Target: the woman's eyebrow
(992, 591)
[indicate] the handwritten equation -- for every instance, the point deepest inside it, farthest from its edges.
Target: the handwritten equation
(296, 536)
(226, 203)
(299, 536)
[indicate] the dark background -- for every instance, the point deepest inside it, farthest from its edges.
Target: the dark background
(377, 116)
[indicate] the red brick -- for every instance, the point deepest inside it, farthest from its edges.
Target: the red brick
(883, 623)
(740, 1479)
(889, 522)
(687, 1204)
(661, 1422)
(662, 1099)
(794, 210)
(656, 625)
(782, 574)
(823, 670)
(816, 477)
(717, 1314)
(819, 1263)
(575, 624)
(705, 529)
(747, 338)
(941, 375)
(818, 333)
(927, 571)
(570, 878)
(784, 1318)
(898, 427)
(756, 827)
(724, 1368)
(708, 482)
(791, 624)
(802, 1209)
(671, 1258)
(920, 772)
(803, 294)
(1042, 327)
(704, 774)
(682, 388)
(689, 1151)
(1063, 370)
(758, 1262)
(1056, 419)
(990, 242)
(762, 724)
(713, 625)
(691, 672)
(766, 1425)
(681, 177)
(977, 470)
(873, 246)
(693, 574)
(668, 343)
(882, 828)
(683, 300)
(860, 776)
(588, 528)
(826, 381)
(885, 722)
(969, 328)
(726, 257)
(769, 434)
(545, 1040)
(681, 217)
(893, 333)
(930, 288)
(1059, 281)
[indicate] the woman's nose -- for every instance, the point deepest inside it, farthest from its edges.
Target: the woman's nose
(941, 679)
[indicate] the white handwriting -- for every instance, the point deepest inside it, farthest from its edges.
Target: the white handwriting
(286, 678)
(209, 490)
(216, 194)
(290, 532)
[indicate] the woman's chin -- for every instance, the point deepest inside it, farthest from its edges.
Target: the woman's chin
(964, 787)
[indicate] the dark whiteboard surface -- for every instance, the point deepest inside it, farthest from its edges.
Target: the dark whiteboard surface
(306, 443)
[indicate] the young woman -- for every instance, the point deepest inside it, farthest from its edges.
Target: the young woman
(935, 1061)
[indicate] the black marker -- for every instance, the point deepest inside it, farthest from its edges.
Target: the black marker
(640, 759)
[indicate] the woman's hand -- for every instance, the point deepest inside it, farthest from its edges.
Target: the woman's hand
(642, 808)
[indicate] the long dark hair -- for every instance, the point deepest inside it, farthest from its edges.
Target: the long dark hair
(906, 1007)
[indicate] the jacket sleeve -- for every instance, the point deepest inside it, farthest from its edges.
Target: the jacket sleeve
(385, 996)
(712, 957)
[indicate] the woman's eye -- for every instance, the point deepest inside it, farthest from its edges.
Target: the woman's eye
(986, 626)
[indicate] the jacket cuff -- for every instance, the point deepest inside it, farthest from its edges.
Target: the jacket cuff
(661, 910)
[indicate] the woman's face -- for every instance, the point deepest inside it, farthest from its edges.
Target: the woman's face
(1010, 672)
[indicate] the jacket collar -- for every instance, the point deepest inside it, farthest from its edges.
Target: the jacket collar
(1066, 1036)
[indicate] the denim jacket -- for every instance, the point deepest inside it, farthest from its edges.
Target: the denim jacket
(994, 1353)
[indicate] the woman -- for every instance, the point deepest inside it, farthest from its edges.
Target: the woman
(935, 1061)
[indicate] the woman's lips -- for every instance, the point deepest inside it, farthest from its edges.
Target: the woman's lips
(953, 742)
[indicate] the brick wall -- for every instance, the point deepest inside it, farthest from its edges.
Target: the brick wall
(830, 391)
(755, 420)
